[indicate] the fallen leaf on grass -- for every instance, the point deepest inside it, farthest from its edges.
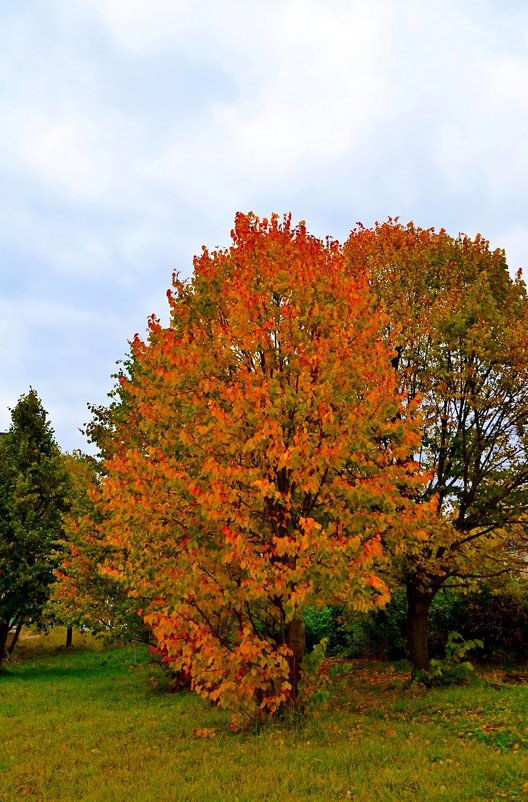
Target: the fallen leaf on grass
(205, 732)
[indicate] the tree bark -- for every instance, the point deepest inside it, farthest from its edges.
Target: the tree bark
(4, 632)
(296, 643)
(69, 637)
(14, 639)
(418, 604)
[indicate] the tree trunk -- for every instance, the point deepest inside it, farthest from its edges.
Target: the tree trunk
(14, 639)
(296, 643)
(4, 632)
(69, 637)
(418, 604)
(147, 636)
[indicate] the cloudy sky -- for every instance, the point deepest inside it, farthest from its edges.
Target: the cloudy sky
(131, 131)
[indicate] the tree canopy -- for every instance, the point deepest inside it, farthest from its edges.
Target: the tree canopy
(316, 421)
(260, 455)
(82, 594)
(459, 323)
(31, 502)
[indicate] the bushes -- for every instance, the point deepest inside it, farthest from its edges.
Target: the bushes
(498, 616)
(381, 633)
(326, 623)
(453, 668)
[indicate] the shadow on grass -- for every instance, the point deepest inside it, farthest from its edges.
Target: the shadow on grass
(29, 674)
(79, 664)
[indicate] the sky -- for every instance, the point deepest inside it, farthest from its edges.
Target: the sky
(132, 131)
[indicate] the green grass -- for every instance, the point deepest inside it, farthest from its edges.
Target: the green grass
(90, 726)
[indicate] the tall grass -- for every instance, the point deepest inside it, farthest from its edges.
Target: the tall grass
(89, 725)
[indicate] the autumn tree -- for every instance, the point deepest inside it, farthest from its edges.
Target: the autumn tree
(459, 324)
(259, 457)
(82, 595)
(31, 503)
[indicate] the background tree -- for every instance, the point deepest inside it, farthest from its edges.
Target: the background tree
(32, 485)
(459, 323)
(82, 594)
(259, 456)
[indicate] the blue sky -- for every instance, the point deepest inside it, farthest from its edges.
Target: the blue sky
(132, 131)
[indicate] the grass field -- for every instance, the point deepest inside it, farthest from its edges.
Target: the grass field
(90, 726)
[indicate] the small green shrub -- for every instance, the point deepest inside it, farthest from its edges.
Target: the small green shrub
(452, 669)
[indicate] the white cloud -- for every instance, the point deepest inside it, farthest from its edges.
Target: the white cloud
(58, 349)
(310, 94)
(317, 86)
(483, 143)
(27, 323)
(514, 240)
(132, 131)
(191, 26)
(65, 151)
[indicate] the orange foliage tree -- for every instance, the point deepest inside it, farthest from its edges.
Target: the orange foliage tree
(259, 457)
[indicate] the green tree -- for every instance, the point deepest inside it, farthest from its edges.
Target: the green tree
(32, 485)
(459, 326)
